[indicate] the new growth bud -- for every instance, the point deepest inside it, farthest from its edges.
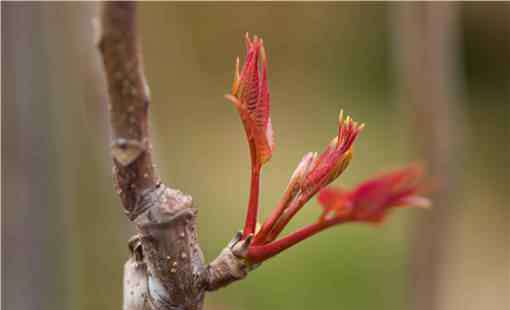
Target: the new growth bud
(250, 95)
(368, 202)
(303, 169)
(312, 174)
(337, 156)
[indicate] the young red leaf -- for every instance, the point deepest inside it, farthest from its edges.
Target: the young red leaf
(371, 200)
(250, 95)
(335, 159)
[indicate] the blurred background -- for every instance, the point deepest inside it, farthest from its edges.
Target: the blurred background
(431, 82)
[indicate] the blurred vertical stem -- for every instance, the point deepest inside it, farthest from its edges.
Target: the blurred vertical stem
(426, 50)
(31, 247)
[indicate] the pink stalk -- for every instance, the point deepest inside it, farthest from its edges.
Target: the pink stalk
(253, 202)
(259, 253)
(260, 237)
(290, 212)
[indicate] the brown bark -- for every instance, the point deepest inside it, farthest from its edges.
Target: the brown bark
(166, 269)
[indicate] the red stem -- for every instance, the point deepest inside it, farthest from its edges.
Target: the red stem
(283, 220)
(253, 203)
(259, 253)
(260, 237)
(277, 221)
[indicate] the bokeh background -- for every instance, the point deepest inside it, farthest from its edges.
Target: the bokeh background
(431, 81)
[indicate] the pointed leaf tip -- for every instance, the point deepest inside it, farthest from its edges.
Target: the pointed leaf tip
(250, 94)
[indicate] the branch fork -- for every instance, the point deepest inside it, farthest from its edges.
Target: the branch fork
(232, 264)
(166, 268)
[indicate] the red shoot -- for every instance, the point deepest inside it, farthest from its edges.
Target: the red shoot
(368, 202)
(318, 173)
(335, 159)
(250, 95)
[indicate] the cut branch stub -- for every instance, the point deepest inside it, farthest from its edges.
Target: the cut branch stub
(135, 293)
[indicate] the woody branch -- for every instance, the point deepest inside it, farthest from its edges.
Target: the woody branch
(166, 269)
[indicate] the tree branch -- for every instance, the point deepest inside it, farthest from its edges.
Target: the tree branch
(129, 103)
(166, 269)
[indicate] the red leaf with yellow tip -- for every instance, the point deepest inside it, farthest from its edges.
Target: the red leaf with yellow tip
(250, 95)
(335, 159)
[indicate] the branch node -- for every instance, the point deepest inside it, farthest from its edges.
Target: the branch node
(231, 264)
(126, 151)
